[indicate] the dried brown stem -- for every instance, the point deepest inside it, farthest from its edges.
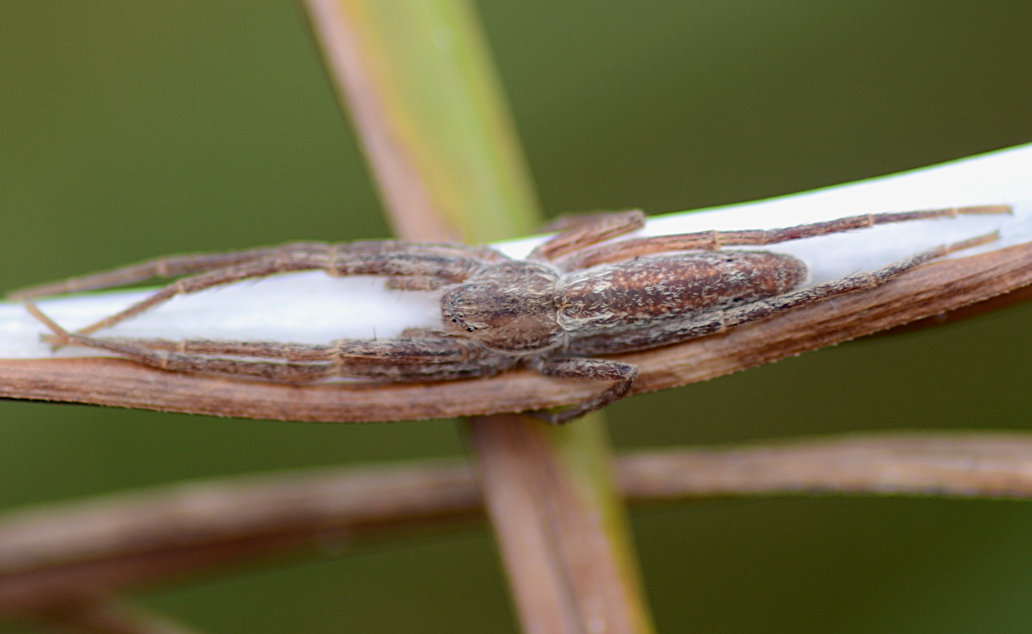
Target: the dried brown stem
(112, 619)
(559, 560)
(984, 465)
(982, 282)
(84, 553)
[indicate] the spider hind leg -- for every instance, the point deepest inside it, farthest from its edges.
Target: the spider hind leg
(596, 228)
(624, 374)
(713, 240)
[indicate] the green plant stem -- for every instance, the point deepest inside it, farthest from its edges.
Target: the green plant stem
(425, 98)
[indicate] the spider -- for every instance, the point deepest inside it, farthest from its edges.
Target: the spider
(574, 297)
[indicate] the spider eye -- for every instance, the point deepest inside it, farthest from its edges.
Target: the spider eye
(453, 320)
(469, 329)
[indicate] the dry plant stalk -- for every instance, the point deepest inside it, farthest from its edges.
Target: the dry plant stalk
(932, 292)
(85, 553)
(563, 569)
(978, 465)
(112, 619)
(481, 190)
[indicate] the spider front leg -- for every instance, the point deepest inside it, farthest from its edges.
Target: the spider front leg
(173, 356)
(171, 266)
(193, 263)
(443, 263)
(426, 357)
(624, 374)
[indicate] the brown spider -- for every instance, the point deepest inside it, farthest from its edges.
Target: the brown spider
(570, 300)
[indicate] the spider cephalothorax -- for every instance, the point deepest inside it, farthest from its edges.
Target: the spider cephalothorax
(575, 296)
(509, 307)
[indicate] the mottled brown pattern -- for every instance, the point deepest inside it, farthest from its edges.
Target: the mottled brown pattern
(552, 312)
(646, 291)
(508, 307)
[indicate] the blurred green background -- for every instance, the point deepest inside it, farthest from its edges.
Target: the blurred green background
(133, 129)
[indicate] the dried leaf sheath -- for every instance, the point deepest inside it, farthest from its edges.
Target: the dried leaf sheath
(931, 290)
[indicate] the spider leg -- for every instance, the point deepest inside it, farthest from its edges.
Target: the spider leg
(192, 263)
(444, 263)
(172, 266)
(721, 320)
(576, 220)
(427, 358)
(713, 240)
(580, 368)
(600, 227)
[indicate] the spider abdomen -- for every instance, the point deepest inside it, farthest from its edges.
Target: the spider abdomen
(648, 291)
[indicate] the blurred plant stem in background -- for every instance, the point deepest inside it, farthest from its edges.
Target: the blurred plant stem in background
(418, 80)
(138, 129)
(420, 87)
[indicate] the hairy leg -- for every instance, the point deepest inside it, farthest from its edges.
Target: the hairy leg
(594, 369)
(444, 264)
(713, 240)
(422, 358)
(172, 266)
(193, 263)
(600, 227)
